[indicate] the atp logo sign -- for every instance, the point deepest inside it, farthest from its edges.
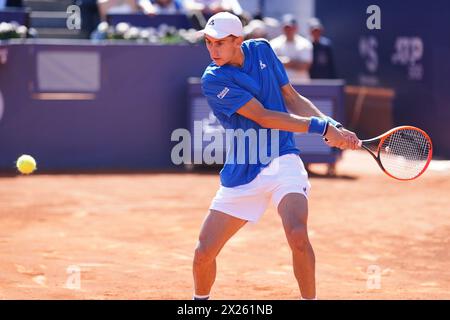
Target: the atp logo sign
(409, 52)
(368, 51)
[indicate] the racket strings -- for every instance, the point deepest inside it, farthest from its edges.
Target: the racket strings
(405, 153)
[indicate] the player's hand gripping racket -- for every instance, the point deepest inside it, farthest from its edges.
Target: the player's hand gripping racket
(403, 153)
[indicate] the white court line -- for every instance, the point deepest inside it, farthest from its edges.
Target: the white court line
(439, 165)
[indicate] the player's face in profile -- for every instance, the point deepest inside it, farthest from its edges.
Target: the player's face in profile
(223, 50)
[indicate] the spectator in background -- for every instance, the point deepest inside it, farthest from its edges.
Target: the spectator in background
(10, 3)
(323, 63)
(294, 51)
(273, 27)
(255, 29)
(201, 10)
(161, 6)
(210, 7)
(116, 6)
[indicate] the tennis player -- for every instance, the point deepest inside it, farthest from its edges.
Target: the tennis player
(247, 88)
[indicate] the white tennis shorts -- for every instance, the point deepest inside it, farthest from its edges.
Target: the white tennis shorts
(285, 174)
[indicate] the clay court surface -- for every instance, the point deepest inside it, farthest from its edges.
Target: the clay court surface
(132, 237)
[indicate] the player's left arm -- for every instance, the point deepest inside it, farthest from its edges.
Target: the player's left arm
(301, 106)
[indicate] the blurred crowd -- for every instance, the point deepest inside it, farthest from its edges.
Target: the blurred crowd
(198, 11)
(153, 7)
(304, 57)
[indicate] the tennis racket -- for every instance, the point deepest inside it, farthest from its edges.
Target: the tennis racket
(403, 153)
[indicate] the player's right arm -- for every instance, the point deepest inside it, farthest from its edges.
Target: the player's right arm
(270, 119)
(226, 97)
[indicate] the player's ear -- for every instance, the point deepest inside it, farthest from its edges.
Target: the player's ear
(238, 41)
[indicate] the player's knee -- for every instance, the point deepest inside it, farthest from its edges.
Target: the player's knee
(294, 205)
(298, 238)
(203, 254)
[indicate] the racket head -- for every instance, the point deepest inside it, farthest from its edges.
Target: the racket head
(404, 152)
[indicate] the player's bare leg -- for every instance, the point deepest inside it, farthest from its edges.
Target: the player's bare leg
(216, 230)
(293, 210)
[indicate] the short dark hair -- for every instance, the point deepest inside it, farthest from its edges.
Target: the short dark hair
(289, 20)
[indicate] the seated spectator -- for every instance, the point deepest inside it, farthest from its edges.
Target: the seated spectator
(323, 62)
(294, 51)
(200, 11)
(273, 27)
(10, 3)
(210, 7)
(116, 6)
(255, 29)
(161, 7)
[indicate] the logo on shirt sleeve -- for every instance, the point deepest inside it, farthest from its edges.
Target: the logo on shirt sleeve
(223, 93)
(262, 65)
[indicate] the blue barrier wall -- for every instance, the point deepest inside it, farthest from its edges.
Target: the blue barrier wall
(410, 54)
(327, 95)
(125, 123)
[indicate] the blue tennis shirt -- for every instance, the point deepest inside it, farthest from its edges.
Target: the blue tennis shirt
(227, 88)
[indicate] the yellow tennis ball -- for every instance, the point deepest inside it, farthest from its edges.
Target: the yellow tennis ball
(26, 164)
